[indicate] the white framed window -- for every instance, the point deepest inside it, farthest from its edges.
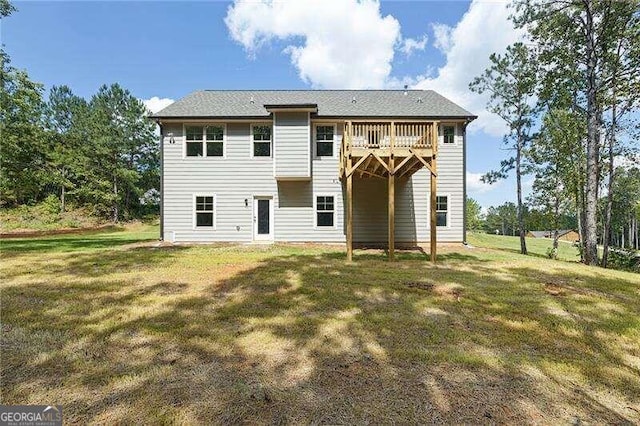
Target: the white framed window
(325, 136)
(325, 211)
(449, 134)
(442, 210)
(204, 211)
(261, 137)
(205, 141)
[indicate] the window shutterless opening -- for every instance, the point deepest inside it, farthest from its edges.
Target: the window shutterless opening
(449, 133)
(204, 211)
(261, 138)
(204, 141)
(325, 211)
(325, 135)
(442, 209)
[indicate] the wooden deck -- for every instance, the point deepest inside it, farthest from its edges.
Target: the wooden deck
(389, 150)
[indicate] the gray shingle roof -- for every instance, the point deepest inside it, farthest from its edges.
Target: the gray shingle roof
(331, 103)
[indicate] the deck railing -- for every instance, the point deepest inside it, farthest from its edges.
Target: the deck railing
(388, 135)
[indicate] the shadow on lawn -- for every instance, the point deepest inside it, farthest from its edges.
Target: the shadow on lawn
(16, 247)
(311, 339)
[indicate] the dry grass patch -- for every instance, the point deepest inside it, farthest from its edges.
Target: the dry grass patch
(122, 330)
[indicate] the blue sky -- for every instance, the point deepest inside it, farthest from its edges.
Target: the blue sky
(168, 49)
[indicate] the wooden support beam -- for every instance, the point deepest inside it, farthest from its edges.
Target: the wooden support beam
(376, 166)
(381, 161)
(365, 167)
(434, 222)
(423, 161)
(368, 173)
(349, 212)
(408, 169)
(355, 167)
(405, 161)
(392, 209)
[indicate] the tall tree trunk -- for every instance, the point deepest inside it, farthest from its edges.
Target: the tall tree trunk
(523, 243)
(62, 200)
(115, 200)
(591, 196)
(580, 224)
(62, 191)
(555, 222)
(609, 208)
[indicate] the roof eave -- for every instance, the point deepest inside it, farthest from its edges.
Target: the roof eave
(468, 118)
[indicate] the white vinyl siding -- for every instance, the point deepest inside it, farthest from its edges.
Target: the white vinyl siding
(292, 148)
(236, 179)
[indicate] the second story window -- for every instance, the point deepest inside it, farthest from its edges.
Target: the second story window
(194, 141)
(449, 133)
(261, 137)
(204, 141)
(214, 137)
(324, 141)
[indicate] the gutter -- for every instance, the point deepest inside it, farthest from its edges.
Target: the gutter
(464, 181)
(161, 180)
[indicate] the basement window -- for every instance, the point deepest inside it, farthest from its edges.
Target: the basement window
(324, 140)
(449, 133)
(325, 211)
(261, 136)
(204, 211)
(442, 209)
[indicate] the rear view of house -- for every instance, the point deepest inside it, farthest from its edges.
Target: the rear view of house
(354, 166)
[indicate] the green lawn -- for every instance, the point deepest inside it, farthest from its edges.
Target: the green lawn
(121, 329)
(535, 246)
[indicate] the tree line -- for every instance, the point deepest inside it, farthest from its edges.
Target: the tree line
(101, 153)
(569, 94)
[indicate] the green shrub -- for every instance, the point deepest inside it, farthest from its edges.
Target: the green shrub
(624, 259)
(51, 205)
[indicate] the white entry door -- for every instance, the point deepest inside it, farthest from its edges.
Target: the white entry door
(263, 218)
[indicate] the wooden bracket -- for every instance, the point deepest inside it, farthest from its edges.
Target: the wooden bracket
(381, 161)
(422, 160)
(355, 166)
(405, 161)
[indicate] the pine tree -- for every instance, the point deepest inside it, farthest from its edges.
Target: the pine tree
(510, 81)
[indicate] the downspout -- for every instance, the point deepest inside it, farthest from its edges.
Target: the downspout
(161, 181)
(464, 182)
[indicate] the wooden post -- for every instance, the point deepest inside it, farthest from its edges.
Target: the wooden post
(349, 210)
(392, 190)
(432, 244)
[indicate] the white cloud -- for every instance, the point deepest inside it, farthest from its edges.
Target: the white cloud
(333, 43)
(409, 45)
(442, 35)
(476, 186)
(156, 104)
(484, 29)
